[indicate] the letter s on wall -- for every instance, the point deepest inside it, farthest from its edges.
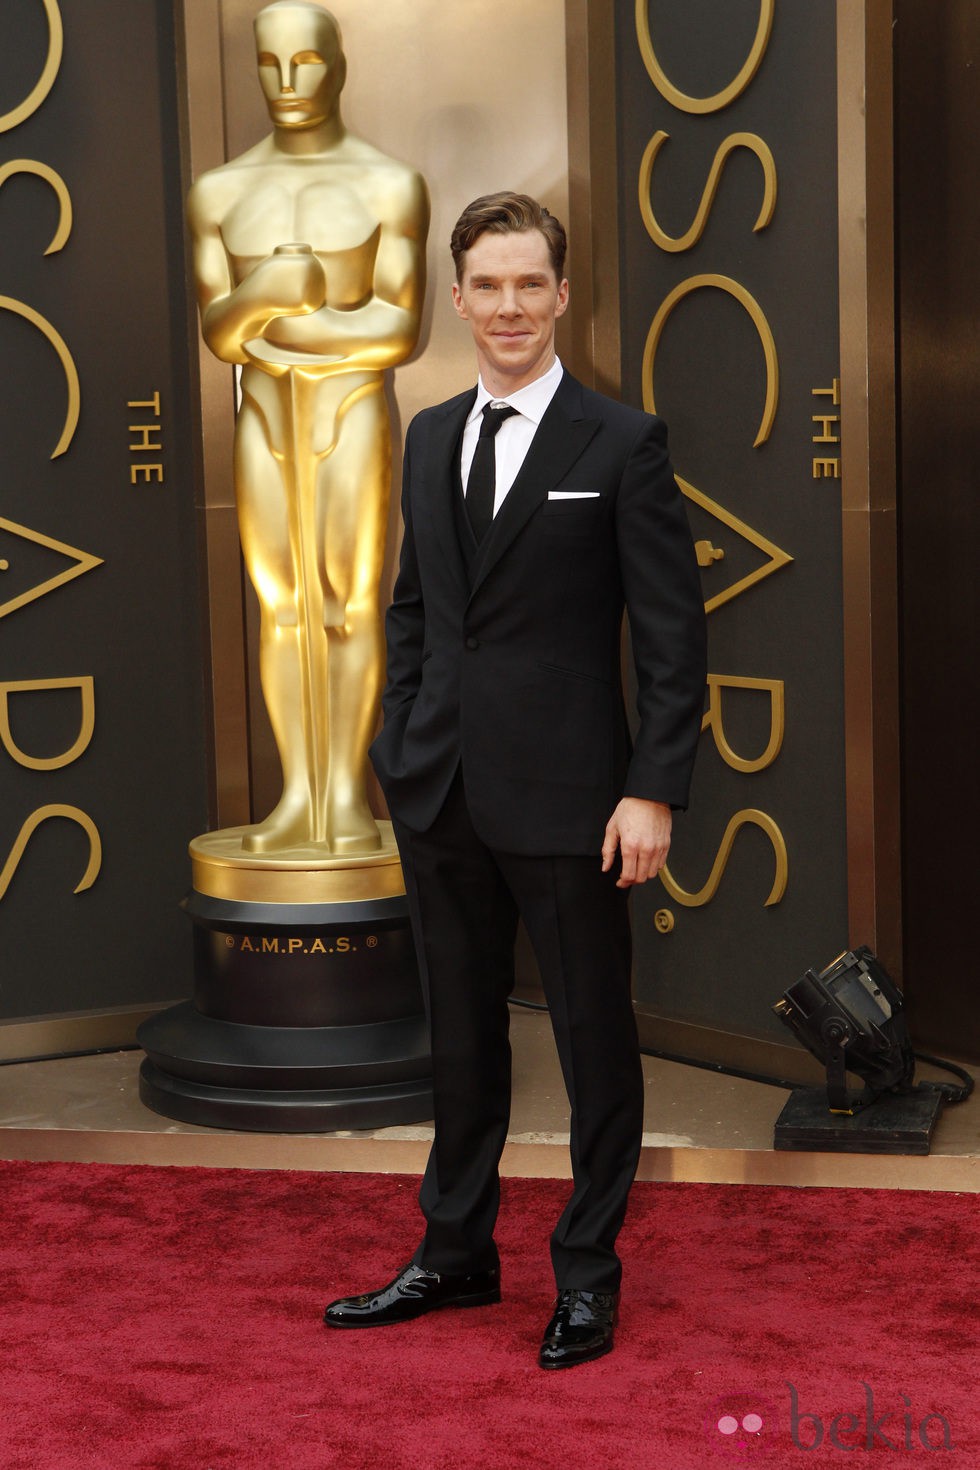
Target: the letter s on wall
(30, 827)
(749, 816)
(691, 236)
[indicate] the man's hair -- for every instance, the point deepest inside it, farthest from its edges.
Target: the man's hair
(504, 214)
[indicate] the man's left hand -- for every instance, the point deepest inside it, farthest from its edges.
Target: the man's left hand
(641, 831)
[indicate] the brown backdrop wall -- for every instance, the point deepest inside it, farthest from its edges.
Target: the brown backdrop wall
(937, 120)
(102, 765)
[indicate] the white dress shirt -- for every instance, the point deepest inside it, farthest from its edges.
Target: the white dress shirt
(513, 438)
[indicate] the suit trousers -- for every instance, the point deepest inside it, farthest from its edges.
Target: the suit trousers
(465, 900)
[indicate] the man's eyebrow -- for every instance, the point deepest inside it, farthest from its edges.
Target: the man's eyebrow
(482, 276)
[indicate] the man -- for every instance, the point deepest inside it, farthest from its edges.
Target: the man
(506, 761)
(309, 262)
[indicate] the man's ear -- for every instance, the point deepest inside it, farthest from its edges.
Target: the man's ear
(562, 302)
(459, 303)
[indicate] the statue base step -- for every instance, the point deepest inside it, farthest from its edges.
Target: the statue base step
(307, 1017)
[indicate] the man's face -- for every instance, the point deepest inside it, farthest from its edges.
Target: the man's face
(300, 66)
(512, 299)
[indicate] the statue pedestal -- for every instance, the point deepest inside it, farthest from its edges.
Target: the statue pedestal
(307, 1013)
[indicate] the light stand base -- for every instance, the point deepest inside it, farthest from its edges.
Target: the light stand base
(895, 1123)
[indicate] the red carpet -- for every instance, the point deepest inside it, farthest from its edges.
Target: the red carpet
(168, 1319)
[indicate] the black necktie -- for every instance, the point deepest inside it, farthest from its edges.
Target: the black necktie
(481, 485)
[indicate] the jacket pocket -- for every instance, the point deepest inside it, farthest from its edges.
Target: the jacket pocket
(573, 673)
(588, 508)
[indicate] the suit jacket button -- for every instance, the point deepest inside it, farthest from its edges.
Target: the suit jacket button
(472, 642)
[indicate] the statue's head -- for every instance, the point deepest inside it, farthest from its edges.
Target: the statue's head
(301, 60)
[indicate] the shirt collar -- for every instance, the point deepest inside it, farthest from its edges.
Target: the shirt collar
(531, 401)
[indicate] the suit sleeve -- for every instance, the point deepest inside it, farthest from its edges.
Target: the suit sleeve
(405, 618)
(664, 602)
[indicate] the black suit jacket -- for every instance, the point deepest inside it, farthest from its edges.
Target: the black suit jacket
(516, 672)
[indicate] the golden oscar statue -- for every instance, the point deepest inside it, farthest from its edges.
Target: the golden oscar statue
(309, 264)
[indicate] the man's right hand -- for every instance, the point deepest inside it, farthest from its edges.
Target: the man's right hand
(641, 831)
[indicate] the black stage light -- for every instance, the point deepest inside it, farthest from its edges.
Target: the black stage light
(851, 1016)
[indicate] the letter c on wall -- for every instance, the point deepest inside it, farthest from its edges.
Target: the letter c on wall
(745, 299)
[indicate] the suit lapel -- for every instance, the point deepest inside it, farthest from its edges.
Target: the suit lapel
(561, 438)
(441, 474)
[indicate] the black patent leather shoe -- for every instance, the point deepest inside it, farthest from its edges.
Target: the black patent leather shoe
(414, 1292)
(580, 1330)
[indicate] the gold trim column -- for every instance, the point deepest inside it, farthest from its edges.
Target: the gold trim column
(200, 63)
(590, 50)
(867, 340)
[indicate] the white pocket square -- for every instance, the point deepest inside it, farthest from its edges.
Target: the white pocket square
(573, 495)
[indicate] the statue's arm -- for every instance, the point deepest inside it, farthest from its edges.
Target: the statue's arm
(382, 331)
(399, 273)
(233, 314)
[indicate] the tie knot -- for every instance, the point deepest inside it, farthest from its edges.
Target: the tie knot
(493, 416)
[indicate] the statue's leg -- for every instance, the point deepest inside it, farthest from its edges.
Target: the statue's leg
(263, 517)
(353, 493)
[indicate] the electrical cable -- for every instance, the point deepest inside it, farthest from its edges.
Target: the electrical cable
(950, 1092)
(64, 1056)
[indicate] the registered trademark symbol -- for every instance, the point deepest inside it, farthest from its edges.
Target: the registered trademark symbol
(664, 921)
(229, 941)
(372, 941)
